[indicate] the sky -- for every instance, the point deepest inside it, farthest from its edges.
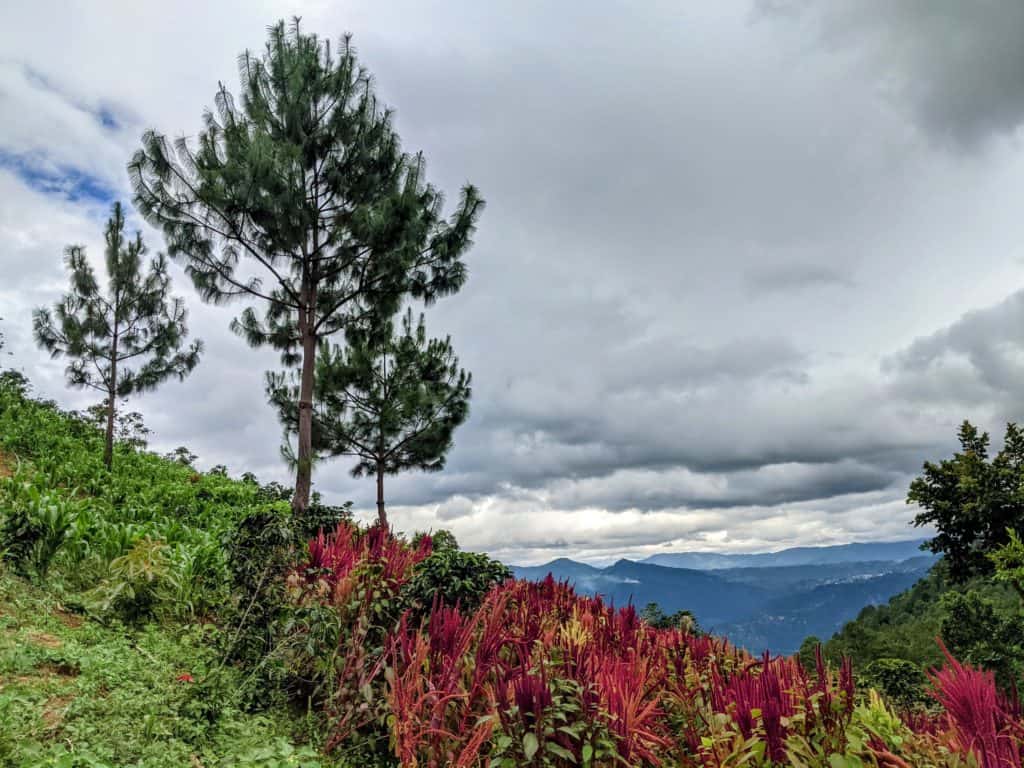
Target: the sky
(744, 266)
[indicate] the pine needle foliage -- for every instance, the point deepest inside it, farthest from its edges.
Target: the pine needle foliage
(390, 399)
(298, 198)
(125, 337)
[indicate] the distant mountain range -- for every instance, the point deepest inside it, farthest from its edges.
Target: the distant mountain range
(841, 553)
(769, 600)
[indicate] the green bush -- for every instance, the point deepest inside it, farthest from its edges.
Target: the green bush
(902, 682)
(34, 526)
(453, 577)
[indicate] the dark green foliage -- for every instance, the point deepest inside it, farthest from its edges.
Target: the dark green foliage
(181, 455)
(129, 428)
(298, 197)
(977, 633)
(390, 400)
(261, 549)
(808, 653)
(908, 625)
(540, 740)
(133, 319)
(657, 618)
(439, 540)
(903, 682)
(452, 577)
(972, 500)
(1009, 564)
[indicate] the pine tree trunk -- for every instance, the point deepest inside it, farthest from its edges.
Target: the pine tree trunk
(304, 470)
(108, 445)
(382, 517)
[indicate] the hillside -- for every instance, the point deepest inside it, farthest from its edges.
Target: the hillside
(71, 686)
(905, 627)
(757, 607)
(115, 598)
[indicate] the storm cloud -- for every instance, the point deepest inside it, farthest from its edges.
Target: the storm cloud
(744, 266)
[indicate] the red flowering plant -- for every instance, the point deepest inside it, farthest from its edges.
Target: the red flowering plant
(978, 719)
(346, 606)
(536, 675)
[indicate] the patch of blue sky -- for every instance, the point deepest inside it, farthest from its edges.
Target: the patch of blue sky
(69, 183)
(104, 114)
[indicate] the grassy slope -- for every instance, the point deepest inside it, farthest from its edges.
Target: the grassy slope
(78, 691)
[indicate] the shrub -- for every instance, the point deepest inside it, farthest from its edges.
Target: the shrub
(452, 577)
(902, 682)
(131, 591)
(33, 529)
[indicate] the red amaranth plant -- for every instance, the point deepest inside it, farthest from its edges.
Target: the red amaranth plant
(980, 720)
(540, 675)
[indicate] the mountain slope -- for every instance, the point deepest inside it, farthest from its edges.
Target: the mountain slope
(711, 598)
(784, 622)
(758, 607)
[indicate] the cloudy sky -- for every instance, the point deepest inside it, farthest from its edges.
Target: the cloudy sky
(744, 266)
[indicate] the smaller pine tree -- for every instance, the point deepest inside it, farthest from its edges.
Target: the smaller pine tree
(391, 400)
(125, 338)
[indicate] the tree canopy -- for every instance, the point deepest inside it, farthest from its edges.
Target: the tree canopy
(390, 399)
(972, 500)
(298, 198)
(125, 337)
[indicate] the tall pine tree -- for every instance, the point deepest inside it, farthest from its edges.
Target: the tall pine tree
(121, 339)
(298, 198)
(391, 400)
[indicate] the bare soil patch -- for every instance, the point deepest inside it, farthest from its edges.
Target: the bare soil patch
(68, 619)
(54, 710)
(45, 639)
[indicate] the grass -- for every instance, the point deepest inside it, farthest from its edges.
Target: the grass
(74, 692)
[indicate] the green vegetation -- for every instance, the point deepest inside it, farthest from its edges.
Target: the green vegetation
(147, 615)
(76, 693)
(390, 400)
(974, 501)
(974, 597)
(155, 615)
(121, 659)
(298, 198)
(133, 322)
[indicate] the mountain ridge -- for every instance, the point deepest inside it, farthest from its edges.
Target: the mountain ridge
(757, 605)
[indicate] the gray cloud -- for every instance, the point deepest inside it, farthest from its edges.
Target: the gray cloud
(783, 278)
(958, 67)
(977, 362)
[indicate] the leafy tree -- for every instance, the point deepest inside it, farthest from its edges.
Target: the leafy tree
(129, 428)
(299, 199)
(972, 501)
(1009, 564)
(658, 619)
(134, 322)
(393, 401)
(976, 632)
(900, 680)
(439, 540)
(808, 653)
